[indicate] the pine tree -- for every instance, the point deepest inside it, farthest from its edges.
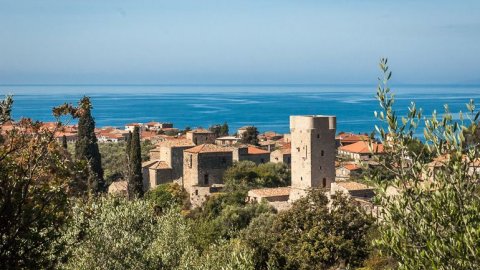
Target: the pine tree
(250, 136)
(64, 142)
(224, 129)
(86, 147)
(135, 179)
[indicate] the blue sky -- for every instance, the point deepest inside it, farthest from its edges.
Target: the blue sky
(259, 41)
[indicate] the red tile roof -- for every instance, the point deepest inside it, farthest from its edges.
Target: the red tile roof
(252, 150)
(362, 147)
(351, 167)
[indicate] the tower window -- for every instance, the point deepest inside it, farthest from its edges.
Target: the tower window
(318, 136)
(301, 178)
(322, 153)
(205, 179)
(324, 182)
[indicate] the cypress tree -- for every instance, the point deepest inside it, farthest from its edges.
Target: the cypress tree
(135, 180)
(64, 142)
(129, 144)
(86, 147)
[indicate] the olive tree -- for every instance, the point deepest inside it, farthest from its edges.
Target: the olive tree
(429, 217)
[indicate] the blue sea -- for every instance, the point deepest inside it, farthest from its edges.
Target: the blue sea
(268, 107)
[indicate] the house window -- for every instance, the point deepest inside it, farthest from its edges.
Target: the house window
(205, 179)
(324, 182)
(318, 136)
(322, 153)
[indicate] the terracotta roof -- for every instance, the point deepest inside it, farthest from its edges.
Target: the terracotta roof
(159, 165)
(208, 148)
(362, 147)
(179, 142)
(148, 134)
(252, 150)
(270, 192)
(352, 185)
(351, 167)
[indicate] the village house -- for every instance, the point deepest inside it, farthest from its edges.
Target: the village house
(361, 151)
(109, 134)
(353, 189)
(347, 138)
(268, 145)
(251, 153)
(204, 166)
(170, 153)
(131, 126)
(157, 126)
(270, 195)
(201, 136)
(227, 140)
(283, 154)
(346, 171)
(242, 130)
(156, 172)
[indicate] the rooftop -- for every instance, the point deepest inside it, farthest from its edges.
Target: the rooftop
(252, 150)
(362, 147)
(353, 185)
(270, 192)
(208, 148)
(200, 130)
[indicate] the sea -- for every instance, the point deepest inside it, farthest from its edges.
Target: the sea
(267, 107)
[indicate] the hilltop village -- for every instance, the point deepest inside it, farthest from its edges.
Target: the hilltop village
(197, 159)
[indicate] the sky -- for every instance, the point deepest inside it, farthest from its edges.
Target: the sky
(238, 42)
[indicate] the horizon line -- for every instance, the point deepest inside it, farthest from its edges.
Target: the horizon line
(236, 84)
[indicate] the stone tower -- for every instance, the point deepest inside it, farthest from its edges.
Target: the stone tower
(313, 153)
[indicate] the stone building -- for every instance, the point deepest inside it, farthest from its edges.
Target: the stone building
(203, 169)
(169, 157)
(251, 153)
(313, 153)
(284, 154)
(156, 172)
(227, 140)
(345, 171)
(201, 136)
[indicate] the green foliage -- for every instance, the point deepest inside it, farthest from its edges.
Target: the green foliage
(250, 136)
(219, 130)
(245, 175)
(310, 235)
(168, 195)
(115, 233)
(135, 179)
(433, 221)
(6, 109)
(223, 216)
(86, 147)
(35, 175)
